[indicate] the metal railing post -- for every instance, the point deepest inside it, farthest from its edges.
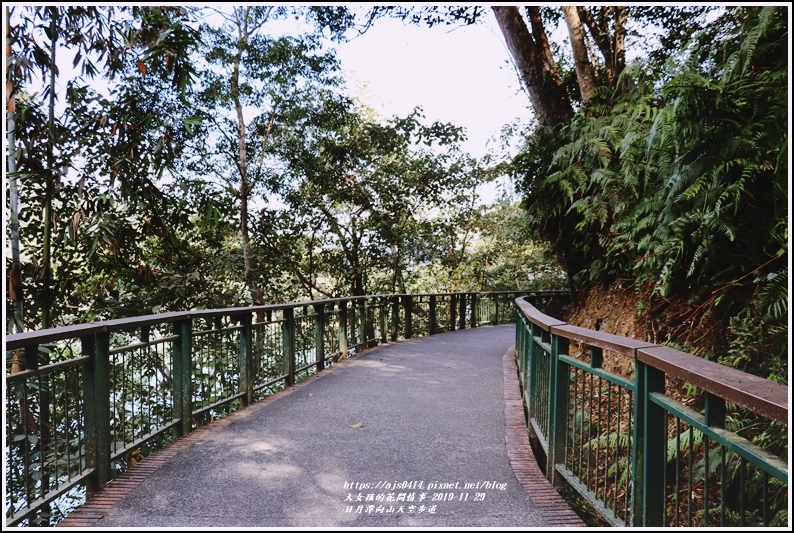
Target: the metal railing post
(462, 315)
(395, 318)
(474, 311)
(650, 429)
(361, 319)
(246, 358)
(714, 417)
(319, 339)
(558, 407)
(288, 345)
(343, 328)
(453, 311)
(532, 367)
(96, 408)
(408, 303)
(382, 319)
(432, 321)
(183, 373)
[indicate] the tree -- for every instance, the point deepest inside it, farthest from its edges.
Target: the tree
(255, 85)
(368, 197)
(559, 83)
(535, 64)
(681, 187)
(50, 145)
(497, 253)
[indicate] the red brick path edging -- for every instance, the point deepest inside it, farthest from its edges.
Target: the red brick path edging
(554, 508)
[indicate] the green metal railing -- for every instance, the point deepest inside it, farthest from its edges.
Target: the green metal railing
(82, 402)
(633, 446)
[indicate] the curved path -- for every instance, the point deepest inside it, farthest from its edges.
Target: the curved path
(427, 432)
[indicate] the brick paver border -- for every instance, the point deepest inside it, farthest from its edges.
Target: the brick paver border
(522, 459)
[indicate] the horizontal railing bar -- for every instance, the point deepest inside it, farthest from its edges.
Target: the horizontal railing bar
(771, 464)
(538, 431)
(305, 367)
(762, 396)
(45, 500)
(137, 345)
(646, 420)
(605, 512)
(759, 395)
(622, 345)
(219, 403)
(130, 447)
(273, 381)
(20, 340)
(269, 323)
(53, 367)
(536, 317)
(217, 330)
(545, 346)
(598, 372)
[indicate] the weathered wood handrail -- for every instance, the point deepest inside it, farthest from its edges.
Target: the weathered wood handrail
(92, 395)
(598, 430)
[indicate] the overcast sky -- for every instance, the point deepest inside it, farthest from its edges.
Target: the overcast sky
(461, 76)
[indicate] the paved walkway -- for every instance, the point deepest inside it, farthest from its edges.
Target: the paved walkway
(422, 433)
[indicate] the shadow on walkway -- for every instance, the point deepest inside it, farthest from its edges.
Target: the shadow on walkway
(411, 434)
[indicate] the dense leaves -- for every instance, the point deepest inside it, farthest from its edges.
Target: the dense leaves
(373, 194)
(196, 159)
(680, 185)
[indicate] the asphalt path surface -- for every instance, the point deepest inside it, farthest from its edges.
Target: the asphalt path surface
(409, 434)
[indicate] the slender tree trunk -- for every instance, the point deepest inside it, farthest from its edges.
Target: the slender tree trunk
(620, 46)
(355, 260)
(46, 273)
(585, 74)
(536, 66)
(242, 162)
(397, 282)
(15, 276)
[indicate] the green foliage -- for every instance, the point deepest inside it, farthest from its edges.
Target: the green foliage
(364, 200)
(681, 183)
(642, 174)
(496, 253)
(214, 164)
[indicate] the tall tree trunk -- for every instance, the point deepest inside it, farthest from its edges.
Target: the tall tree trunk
(242, 161)
(585, 73)
(536, 66)
(611, 43)
(46, 273)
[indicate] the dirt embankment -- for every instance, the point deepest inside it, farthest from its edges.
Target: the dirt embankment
(611, 310)
(615, 309)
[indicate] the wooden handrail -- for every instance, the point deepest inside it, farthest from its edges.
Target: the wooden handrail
(761, 396)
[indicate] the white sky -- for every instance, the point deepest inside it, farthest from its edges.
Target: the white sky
(462, 76)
